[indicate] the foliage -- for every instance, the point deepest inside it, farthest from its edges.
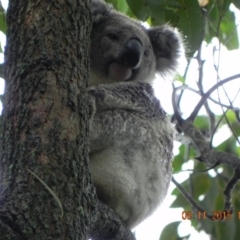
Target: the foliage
(170, 232)
(3, 25)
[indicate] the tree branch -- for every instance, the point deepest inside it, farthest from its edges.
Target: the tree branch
(208, 93)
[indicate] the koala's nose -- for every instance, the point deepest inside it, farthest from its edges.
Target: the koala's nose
(132, 53)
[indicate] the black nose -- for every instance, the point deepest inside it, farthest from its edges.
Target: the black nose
(132, 53)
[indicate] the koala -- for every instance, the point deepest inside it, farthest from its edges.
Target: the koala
(131, 138)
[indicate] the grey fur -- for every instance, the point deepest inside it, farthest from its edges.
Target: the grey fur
(131, 139)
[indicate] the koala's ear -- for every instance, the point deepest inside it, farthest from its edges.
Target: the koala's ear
(167, 46)
(100, 10)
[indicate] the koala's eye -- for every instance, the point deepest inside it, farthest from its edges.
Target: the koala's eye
(146, 53)
(112, 36)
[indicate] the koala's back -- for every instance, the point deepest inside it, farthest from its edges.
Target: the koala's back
(132, 171)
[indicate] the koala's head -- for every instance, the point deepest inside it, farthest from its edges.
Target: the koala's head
(123, 50)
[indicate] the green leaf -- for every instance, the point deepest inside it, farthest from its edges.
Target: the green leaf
(191, 23)
(236, 211)
(228, 31)
(180, 78)
(180, 201)
(220, 230)
(121, 6)
(237, 149)
(170, 232)
(157, 16)
(236, 128)
(221, 24)
(139, 9)
(201, 183)
(3, 24)
(202, 122)
(231, 116)
(158, 10)
(223, 6)
(225, 230)
(179, 159)
(214, 190)
(228, 146)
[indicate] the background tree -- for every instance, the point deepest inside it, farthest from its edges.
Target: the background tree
(213, 196)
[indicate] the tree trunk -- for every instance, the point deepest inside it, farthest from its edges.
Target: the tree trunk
(45, 184)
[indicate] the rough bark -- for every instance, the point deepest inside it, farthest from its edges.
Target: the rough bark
(44, 151)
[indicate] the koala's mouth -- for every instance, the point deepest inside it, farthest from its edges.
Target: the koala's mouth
(120, 72)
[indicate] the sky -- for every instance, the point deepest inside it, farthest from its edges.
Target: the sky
(151, 228)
